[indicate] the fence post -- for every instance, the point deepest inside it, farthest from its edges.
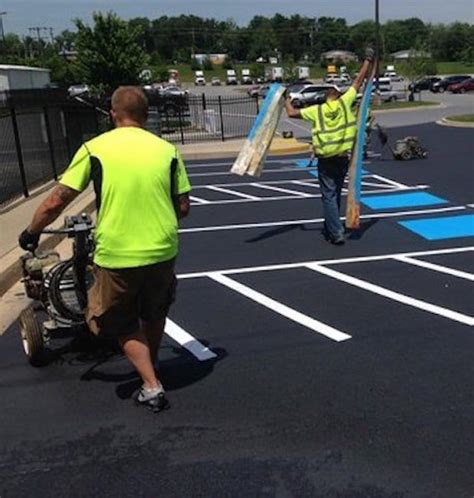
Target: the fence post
(203, 101)
(180, 124)
(256, 102)
(221, 117)
(19, 152)
(50, 142)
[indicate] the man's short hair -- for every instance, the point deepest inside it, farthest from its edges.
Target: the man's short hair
(130, 102)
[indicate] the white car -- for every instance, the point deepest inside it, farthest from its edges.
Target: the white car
(392, 75)
(77, 90)
(300, 97)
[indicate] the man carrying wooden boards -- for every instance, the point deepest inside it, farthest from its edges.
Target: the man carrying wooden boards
(334, 133)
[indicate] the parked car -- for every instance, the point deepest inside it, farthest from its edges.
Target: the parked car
(423, 84)
(259, 90)
(216, 81)
(392, 75)
(442, 85)
(309, 95)
(173, 91)
(387, 95)
(77, 90)
(463, 87)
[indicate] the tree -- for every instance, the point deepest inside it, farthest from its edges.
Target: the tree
(417, 66)
(109, 54)
(362, 34)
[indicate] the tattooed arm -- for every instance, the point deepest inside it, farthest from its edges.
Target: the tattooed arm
(52, 207)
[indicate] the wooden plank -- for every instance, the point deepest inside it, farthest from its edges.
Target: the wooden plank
(355, 166)
(251, 158)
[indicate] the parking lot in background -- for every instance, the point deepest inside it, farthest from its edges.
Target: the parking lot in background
(291, 364)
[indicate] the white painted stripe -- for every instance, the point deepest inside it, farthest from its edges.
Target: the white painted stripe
(230, 163)
(233, 192)
(357, 259)
(306, 183)
(281, 309)
(266, 171)
(395, 296)
(187, 341)
(389, 181)
(244, 184)
(243, 226)
(437, 268)
(279, 189)
(199, 200)
(292, 198)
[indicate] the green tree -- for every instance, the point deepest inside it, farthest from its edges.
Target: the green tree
(109, 54)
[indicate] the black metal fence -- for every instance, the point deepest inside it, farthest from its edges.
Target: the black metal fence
(41, 129)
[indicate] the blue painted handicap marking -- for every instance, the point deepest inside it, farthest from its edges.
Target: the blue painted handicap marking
(389, 201)
(450, 227)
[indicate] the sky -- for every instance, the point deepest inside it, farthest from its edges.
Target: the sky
(23, 14)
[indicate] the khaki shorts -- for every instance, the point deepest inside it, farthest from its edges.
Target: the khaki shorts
(118, 299)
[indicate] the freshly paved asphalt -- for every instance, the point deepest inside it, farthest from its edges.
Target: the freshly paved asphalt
(282, 411)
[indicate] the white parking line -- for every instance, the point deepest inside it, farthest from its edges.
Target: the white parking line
(187, 341)
(395, 296)
(281, 309)
(356, 259)
(401, 186)
(279, 189)
(193, 198)
(232, 192)
(437, 268)
(266, 171)
(251, 198)
(244, 226)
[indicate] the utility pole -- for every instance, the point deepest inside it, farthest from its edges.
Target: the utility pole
(377, 44)
(2, 32)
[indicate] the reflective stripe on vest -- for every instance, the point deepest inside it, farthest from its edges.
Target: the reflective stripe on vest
(334, 141)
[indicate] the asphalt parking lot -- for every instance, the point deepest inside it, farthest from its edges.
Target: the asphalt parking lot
(294, 368)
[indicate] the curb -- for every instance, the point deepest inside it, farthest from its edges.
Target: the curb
(411, 109)
(454, 124)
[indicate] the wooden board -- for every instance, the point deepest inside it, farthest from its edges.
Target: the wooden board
(251, 158)
(355, 166)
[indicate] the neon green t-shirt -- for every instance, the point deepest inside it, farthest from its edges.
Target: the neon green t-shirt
(131, 171)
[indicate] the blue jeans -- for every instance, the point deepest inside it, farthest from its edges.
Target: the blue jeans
(332, 172)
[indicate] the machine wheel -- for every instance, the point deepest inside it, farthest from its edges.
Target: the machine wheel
(405, 155)
(31, 335)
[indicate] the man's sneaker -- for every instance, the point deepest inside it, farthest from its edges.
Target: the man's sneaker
(156, 403)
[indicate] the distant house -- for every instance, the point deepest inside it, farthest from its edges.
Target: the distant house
(402, 55)
(338, 56)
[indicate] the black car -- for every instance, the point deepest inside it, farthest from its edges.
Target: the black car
(423, 84)
(443, 84)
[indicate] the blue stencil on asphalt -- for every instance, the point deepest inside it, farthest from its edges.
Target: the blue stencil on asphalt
(450, 227)
(389, 201)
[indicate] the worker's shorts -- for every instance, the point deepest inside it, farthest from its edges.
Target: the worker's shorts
(118, 299)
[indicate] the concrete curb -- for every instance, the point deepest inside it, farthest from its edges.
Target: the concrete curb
(410, 109)
(10, 266)
(454, 124)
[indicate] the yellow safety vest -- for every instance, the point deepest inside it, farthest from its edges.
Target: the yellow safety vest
(334, 129)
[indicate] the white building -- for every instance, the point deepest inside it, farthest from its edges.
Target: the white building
(339, 56)
(23, 77)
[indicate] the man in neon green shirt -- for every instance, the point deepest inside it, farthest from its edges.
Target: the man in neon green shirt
(334, 132)
(141, 190)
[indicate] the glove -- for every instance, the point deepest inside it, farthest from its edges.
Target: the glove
(28, 241)
(370, 54)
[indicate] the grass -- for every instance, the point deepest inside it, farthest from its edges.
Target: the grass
(402, 105)
(462, 118)
(454, 68)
